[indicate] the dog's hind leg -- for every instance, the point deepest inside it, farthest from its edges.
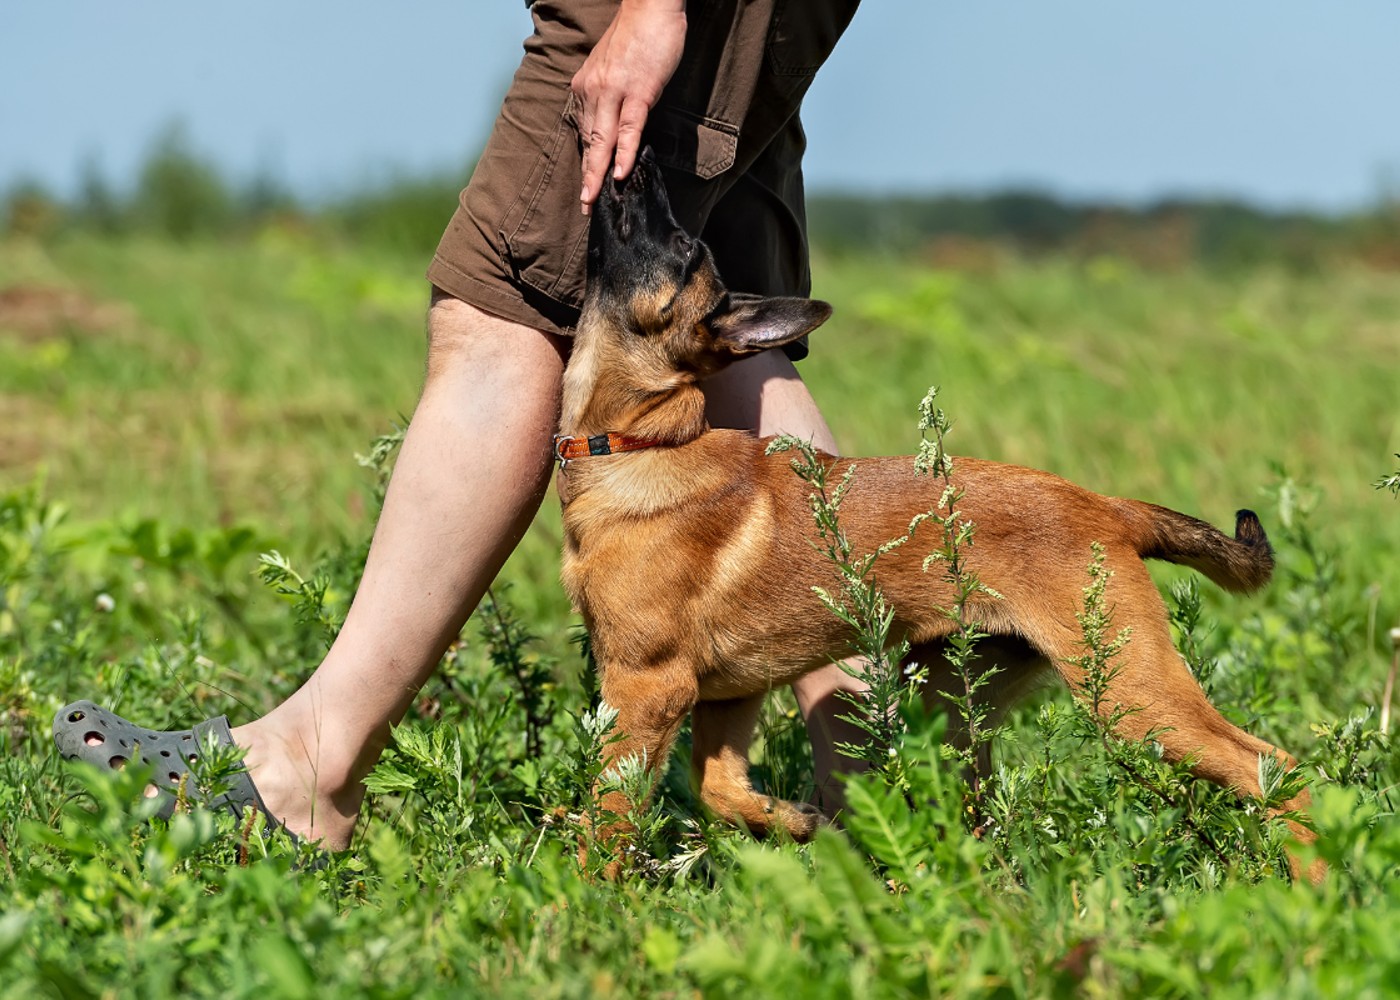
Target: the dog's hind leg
(721, 732)
(1160, 698)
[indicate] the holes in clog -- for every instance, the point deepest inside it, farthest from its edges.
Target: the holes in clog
(94, 739)
(165, 753)
(174, 778)
(117, 763)
(151, 791)
(76, 716)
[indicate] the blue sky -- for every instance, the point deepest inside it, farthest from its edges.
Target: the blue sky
(1286, 103)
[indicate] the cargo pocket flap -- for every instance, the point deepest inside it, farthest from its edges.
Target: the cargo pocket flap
(700, 146)
(545, 236)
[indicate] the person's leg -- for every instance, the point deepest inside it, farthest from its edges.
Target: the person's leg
(473, 469)
(765, 393)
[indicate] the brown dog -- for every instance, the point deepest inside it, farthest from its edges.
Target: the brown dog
(688, 550)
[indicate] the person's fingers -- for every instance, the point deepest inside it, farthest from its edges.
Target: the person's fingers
(629, 136)
(598, 127)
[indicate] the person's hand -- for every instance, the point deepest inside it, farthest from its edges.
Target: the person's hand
(620, 82)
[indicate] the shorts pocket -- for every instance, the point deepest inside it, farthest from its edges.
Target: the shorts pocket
(544, 234)
(693, 143)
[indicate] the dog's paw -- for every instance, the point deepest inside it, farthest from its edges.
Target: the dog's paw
(800, 819)
(763, 815)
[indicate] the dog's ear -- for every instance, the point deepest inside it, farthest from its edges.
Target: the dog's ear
(754, 323)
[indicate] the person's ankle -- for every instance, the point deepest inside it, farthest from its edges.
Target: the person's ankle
(307, 783)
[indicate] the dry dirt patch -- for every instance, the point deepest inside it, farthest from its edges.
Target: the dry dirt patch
(40, 312)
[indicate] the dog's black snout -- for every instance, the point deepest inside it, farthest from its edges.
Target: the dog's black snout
(645, 175)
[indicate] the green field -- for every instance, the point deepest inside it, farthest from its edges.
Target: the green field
(170, 410)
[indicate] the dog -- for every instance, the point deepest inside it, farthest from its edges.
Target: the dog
(688, 550)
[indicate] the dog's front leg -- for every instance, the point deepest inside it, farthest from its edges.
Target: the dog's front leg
(651, 704)
(721, 732)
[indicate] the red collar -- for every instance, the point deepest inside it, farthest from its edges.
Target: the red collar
(568, 447)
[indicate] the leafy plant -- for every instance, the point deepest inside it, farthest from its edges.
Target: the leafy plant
(974, 734)
(859, 604)
(1390, 482)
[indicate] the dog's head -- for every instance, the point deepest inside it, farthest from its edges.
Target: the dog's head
(658, 294)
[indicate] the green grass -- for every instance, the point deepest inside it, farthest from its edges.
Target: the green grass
(203, 402)
(239, 380)
(233, 383)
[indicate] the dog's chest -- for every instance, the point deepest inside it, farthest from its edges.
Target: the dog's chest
(691, 582)
(711, 544)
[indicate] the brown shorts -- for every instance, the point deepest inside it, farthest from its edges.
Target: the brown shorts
(726, 131)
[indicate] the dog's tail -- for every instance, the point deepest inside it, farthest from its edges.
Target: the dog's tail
(1241, 564)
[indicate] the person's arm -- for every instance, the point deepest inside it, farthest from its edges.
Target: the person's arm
(620, 82)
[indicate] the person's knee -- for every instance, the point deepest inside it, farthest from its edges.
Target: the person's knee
(765, 394)
(460, 333)
(454, 330)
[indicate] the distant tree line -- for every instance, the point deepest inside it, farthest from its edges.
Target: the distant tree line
(968, 231)
(182, 195)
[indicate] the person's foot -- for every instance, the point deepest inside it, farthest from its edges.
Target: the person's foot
(306, 790)
(287, 775)
(88, 732)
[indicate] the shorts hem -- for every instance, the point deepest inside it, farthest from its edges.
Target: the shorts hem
(511, 303)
